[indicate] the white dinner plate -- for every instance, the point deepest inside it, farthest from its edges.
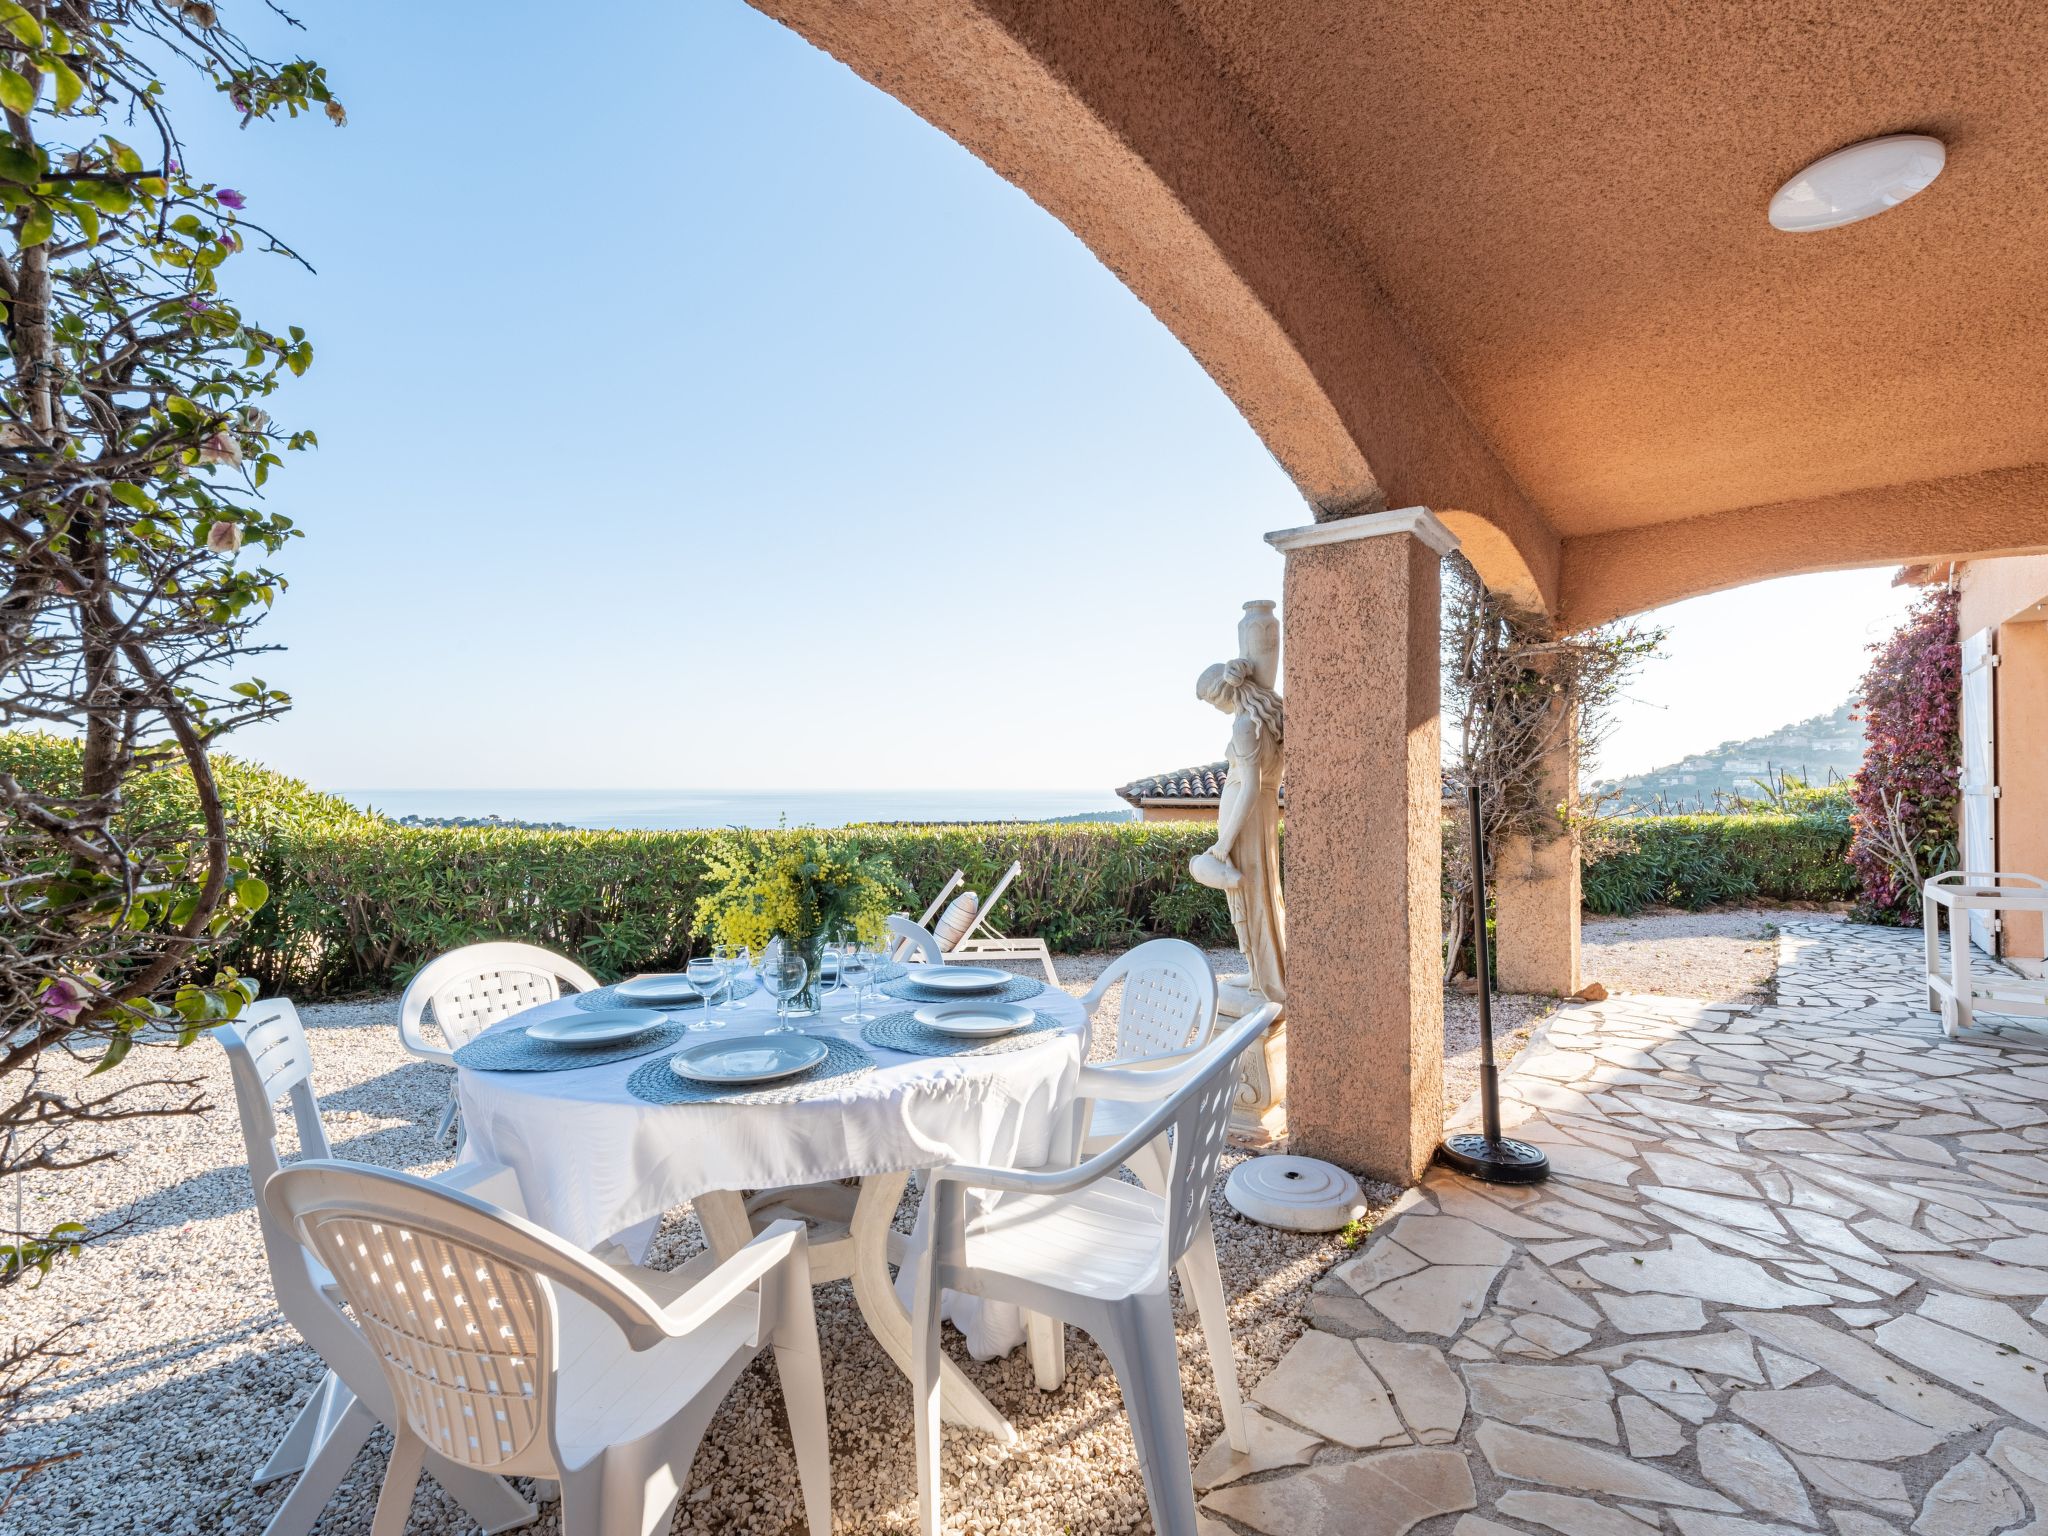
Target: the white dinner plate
(599, 1026)
(665, 987)
(964, 979)
(750, 1059)
(974, 1020)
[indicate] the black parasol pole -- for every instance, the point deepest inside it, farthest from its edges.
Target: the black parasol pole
(1488, 1155)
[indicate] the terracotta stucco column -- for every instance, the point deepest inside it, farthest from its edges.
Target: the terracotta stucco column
(1364, 849)
(1536, 881)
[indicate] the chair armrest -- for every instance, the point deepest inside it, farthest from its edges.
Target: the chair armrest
(1105, 1163)
(493, 1183)
(1024, 1181)
(428, 1050)
(740, 1273)
(1134, 1078)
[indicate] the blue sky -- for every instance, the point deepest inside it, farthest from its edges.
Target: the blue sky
(694, 415)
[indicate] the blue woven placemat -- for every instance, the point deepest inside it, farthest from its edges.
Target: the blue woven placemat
(1015, 990)
(659, 1083)
(608, 997)
(514, 1050)
(901, 1032)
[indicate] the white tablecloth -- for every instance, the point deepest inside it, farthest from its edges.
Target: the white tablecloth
(595, 1163)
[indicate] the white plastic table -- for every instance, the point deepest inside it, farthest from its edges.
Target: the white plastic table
(595, 1163)
(1957, 996)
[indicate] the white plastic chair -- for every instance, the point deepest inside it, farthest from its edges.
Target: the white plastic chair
(1168, 1010)
(914, 943)
(269, 1058)
(473, 987)
(1083, 1246)
(511, 1353)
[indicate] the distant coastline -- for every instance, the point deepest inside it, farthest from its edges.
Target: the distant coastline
(677, 809)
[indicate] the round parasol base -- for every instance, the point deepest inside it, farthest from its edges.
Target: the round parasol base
(1503, 1161)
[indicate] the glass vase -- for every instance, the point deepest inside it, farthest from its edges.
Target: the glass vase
(811, 1000)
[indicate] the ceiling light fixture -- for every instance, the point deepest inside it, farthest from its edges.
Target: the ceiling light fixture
(1857, 182)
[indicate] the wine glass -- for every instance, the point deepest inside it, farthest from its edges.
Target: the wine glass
(857, 968)
(738, 960)
(786, 972)
(708, 977)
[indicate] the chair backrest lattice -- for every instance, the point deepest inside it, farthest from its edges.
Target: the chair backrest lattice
(469, 1005)
(466, 1337)
(270, 1060)
(1169, 998)
(453, 1305)
(471, 988)
(1199, 1128)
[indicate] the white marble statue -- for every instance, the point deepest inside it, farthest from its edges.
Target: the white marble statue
(1244, 861)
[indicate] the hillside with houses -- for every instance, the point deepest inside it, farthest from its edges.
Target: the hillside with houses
(1824, 748)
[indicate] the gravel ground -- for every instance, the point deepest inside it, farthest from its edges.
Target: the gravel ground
(189, 1375)
(1723, 956)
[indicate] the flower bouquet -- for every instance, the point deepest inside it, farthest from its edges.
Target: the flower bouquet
(802, 888)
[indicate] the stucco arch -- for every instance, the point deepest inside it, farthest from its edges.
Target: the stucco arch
(1270, 180)
(1120, 123)
(1970, 517)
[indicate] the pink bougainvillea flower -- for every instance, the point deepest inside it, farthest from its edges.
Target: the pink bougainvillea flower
(198, 306)
(230, 198)
(224, 538)
(220, 448)
(64, 1000)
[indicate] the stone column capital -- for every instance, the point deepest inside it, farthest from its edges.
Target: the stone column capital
(1418, 521)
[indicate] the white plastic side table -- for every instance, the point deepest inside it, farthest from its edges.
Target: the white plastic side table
(1958, 995)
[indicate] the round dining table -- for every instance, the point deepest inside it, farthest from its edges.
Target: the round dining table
(597, 1164)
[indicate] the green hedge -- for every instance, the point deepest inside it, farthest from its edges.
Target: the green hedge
(358, 902)
(359, 909)
(1704, 861)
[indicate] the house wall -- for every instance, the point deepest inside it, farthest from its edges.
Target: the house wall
(1995, 590)
(2022, 682)
(1176, 813)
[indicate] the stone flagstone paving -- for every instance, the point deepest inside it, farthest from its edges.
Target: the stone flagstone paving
(1788, 1277)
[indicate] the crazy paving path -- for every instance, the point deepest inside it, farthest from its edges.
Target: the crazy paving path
(1786, 1278)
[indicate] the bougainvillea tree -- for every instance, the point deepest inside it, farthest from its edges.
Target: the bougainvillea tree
(135, 441)
(1910, 702)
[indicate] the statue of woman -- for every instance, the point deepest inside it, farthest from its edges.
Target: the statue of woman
(1244, 861)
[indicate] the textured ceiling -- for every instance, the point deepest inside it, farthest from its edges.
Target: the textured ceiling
(1563, 202)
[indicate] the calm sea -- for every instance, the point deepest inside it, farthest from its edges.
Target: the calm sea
(667, 808)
